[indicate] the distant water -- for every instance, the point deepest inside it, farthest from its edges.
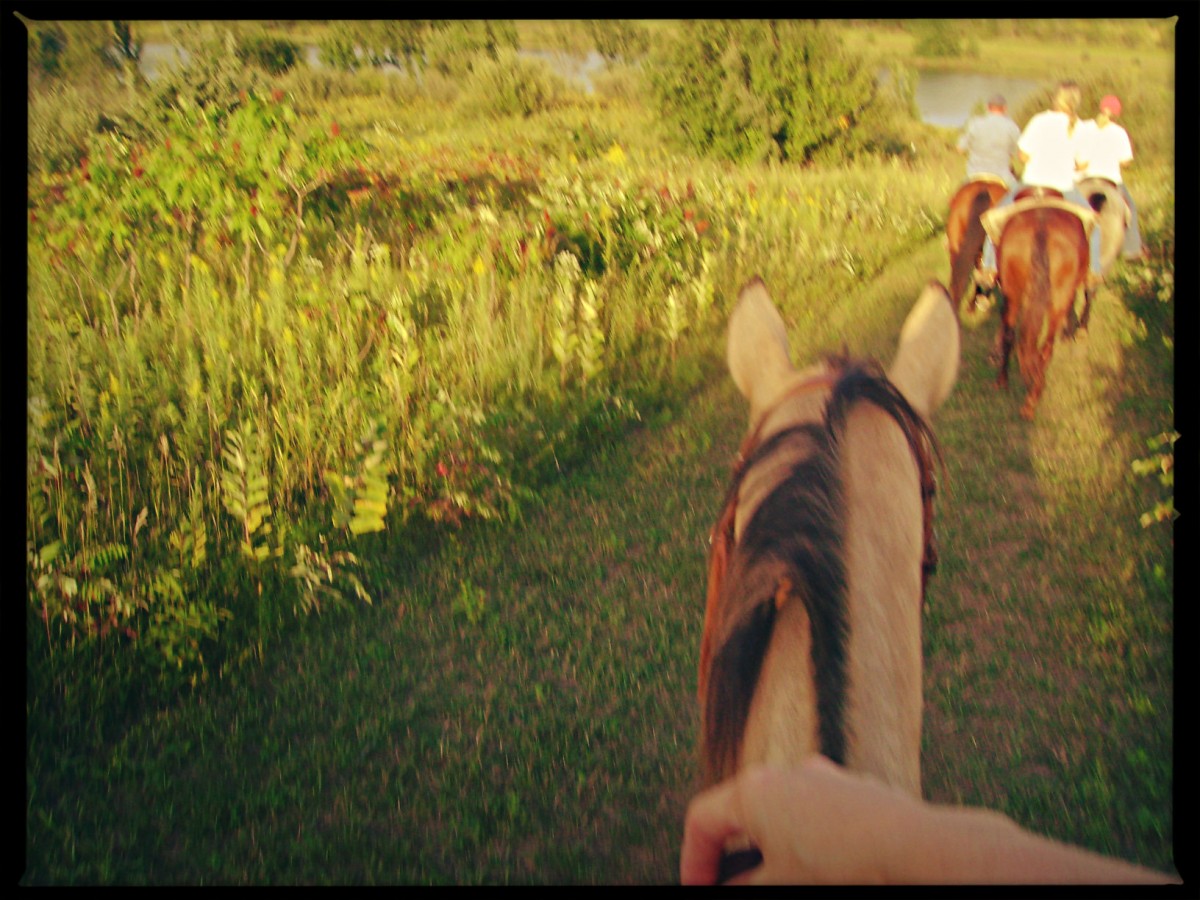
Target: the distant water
(950, 98)
(943, 98)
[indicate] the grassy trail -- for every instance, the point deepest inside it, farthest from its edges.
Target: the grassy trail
(521, 707)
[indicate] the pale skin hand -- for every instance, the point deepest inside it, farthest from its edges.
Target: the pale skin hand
(819, 824)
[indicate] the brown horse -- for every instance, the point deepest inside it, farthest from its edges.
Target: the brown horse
(1111, 218)
(964, 233)
(1042, 258)
(812, 632)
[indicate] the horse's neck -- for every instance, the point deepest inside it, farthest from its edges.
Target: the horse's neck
(883, 552)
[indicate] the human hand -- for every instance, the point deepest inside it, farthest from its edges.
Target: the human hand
(815, 823)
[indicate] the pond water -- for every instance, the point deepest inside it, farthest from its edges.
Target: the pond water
(943, 98)
(950, 98)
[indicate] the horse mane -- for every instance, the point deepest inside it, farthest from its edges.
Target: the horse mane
(792, 549)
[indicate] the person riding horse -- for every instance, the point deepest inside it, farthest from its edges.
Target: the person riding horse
(1104, 150)
(1048, 147)
(989, 142)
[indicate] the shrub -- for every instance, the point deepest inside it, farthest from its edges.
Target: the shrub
(619, 39)
(758, 90)
(454, 48)
(511, 85)
(274, 55)
(61, 119)
(619, 82)
(937, 37)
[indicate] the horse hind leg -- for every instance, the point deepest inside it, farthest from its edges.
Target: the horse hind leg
(1002, 351)
(1088, 295)
(1071, 325)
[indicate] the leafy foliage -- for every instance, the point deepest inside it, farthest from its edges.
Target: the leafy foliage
(272, 54)
(939, 38)
(510, 85)
(759, 90)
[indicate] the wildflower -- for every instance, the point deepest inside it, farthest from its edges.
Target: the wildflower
(442, 470)
(335, 130)
(702, 226)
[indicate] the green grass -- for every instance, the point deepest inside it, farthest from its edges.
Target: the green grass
(518, 704)
(1049, 680)
(552, 741)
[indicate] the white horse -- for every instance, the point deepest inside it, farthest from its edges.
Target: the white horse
(1112, 218)
(812, 636)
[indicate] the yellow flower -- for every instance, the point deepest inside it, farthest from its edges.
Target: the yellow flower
(615, 154)
(479, 266)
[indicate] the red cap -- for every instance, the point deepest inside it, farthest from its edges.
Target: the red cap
(1110, 105)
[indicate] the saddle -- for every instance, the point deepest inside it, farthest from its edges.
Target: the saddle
(986, 178)
(996, 218)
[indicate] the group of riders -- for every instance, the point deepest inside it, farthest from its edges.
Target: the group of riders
(1058, 150)
(819, 822)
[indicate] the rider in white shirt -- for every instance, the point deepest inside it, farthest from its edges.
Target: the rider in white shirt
(1048, 146)
(1104, 150)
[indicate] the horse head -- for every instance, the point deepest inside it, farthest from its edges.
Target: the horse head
(817, 569)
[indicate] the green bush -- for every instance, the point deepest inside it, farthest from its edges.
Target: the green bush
(61, 119)
(619, 39)
(758, 90)
(272, 54)
(937, 37)
(510, 85)
(454, 48)
(621, 82)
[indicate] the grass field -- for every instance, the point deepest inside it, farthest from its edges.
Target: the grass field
(517, 705)
(550, 740)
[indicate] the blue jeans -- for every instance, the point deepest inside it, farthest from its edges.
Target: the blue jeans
(1071, 196)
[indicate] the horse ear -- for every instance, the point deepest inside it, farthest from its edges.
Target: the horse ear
(757, 349)
(927, 358)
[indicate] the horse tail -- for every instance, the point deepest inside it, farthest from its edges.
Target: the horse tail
(971, 247)
(1035, 305)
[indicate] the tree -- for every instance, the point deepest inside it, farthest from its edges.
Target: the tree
(759, 89)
